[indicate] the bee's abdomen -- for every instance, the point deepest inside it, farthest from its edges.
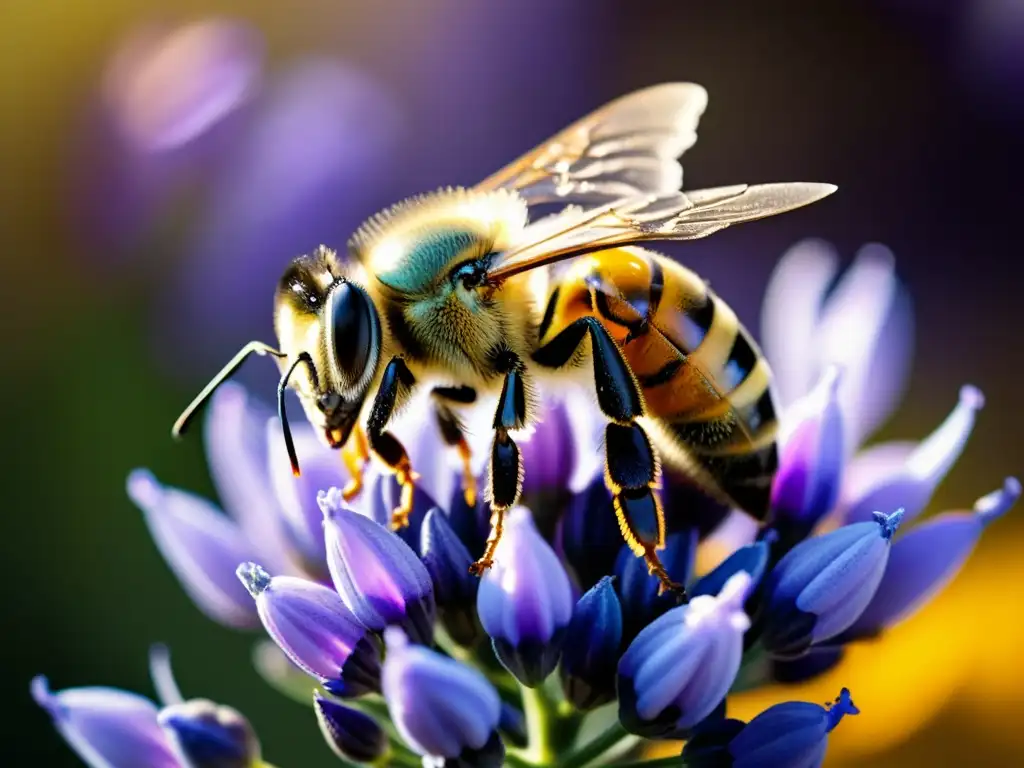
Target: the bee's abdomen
(705, 382)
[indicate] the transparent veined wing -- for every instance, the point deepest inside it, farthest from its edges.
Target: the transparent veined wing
(630, 221)
(626, 148)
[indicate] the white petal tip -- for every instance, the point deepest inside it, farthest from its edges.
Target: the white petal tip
(143, 488)
(395, 639)
(40, 688)
(972, 397)
(994, 505)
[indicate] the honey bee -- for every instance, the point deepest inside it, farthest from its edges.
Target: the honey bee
(440, 289)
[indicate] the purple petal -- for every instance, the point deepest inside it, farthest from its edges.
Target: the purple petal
(912, 485)
(433, 460)
(439, 705)
(587, 426)
(927, 558)
(166, 87)
(813, 455)
(308, 621)
(690, 656)
(377, 575)
(236, 452)
(789, 315)
(106, 727)
(322, 469)
(201, 545)
(209, 735)
(526, 595)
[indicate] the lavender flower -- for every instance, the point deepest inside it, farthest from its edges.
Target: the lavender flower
(442, 708)
(378, 577)
(351, 734)
(312, 625)
(823, 584)
(525, 601)
(779, 604)
(681, 666)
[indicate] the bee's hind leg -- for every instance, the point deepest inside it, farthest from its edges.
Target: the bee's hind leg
(506, 472)
(451, 431)
(631, 463)
(396, 385)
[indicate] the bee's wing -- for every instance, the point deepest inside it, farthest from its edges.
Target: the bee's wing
(673, 216)
(626, 148)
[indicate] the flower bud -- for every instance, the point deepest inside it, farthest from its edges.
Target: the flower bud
(680, 667)
(640, 592)
(455, 588)
(591, 651)
(378, 576)
(525, 601)
(208, 735)
(311, 624)
(823, 584)
(351, 734)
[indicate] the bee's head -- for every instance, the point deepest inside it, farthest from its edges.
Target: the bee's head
(332, 321)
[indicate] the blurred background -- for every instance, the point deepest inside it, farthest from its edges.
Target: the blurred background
(161, 161)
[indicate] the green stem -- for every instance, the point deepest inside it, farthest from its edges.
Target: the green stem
(593, 750)
(674, 761)
(539, 713)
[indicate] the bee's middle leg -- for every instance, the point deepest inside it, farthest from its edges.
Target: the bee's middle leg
(451, 432)
(631, 463)
(506, 471)
(396, 385)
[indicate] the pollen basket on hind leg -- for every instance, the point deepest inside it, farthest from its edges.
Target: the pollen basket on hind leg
(412, 245)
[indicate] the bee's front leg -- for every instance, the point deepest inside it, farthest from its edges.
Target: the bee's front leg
(355, 453)
(395, 386)
(631, 463)
(506, 473)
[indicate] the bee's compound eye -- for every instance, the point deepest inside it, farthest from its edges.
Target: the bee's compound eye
(329, 402)
(352, 330)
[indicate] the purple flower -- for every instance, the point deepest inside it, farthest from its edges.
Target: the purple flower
(589, 534)
(640, 592)
(591, 651)
(823, 584)
(202, 546)
(106, 727)
(208, 735)
(789, 735)
(351, 734)
(680, 667)
(455, 588)
(311, 624)
(442, 708)
(812, 458)
(525, 601)
(378, 576)
(863, 325)
(926, 559)
(911, 482)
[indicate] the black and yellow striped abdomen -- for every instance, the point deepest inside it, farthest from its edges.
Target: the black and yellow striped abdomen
(705, 382)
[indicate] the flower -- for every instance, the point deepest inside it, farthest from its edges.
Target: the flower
(351, 734)
(591, 651)
(680, 667)
(924, 560)
(640, 592)
(201, 545)
(208, 735)
(793, 734)
(106, 726)
(378, 576)
(442, 708)
(311, 624)
(455, 588)
(525, 601)
(911, 482)
(812, 458)
(589, 534)
(823, 584)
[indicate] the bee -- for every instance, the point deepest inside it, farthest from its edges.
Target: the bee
(440, 289)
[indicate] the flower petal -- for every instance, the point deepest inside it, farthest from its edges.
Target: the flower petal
(201, 545)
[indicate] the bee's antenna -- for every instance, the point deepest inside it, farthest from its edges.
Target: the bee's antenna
(253, 347)
(289, 444)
